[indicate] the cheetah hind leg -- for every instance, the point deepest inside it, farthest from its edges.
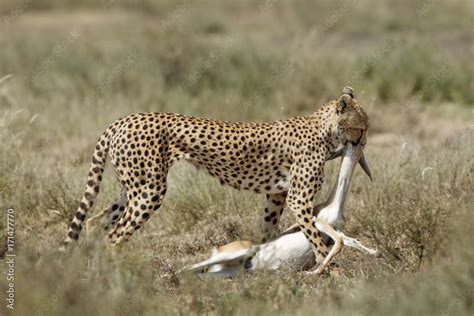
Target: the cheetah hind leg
(139, 210)
(114, 212)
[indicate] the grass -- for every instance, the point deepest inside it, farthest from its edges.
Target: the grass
(77, 66)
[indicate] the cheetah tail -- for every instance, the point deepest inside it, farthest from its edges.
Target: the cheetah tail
(93, 182)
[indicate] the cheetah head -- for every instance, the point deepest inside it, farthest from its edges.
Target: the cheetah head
(351, 124)
(352, 121)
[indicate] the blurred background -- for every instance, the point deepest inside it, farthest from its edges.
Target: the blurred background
(70, 68)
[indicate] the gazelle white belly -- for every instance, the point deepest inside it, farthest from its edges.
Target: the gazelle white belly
(289, 250)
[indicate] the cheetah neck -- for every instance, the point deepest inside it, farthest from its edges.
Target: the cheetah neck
(325, 120)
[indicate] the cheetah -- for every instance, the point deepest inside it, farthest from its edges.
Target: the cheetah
(282, 159)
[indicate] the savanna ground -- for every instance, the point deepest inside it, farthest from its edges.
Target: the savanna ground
(77, 66)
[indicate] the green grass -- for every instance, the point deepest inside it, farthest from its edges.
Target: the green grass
(77, 66)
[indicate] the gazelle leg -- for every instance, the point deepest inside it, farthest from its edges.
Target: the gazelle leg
(348, 241)
(354, 243)
(290, 230)
(340, 239)
(327, 229)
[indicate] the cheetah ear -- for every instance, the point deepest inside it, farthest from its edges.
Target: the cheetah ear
(345, 99)
(343, 102)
